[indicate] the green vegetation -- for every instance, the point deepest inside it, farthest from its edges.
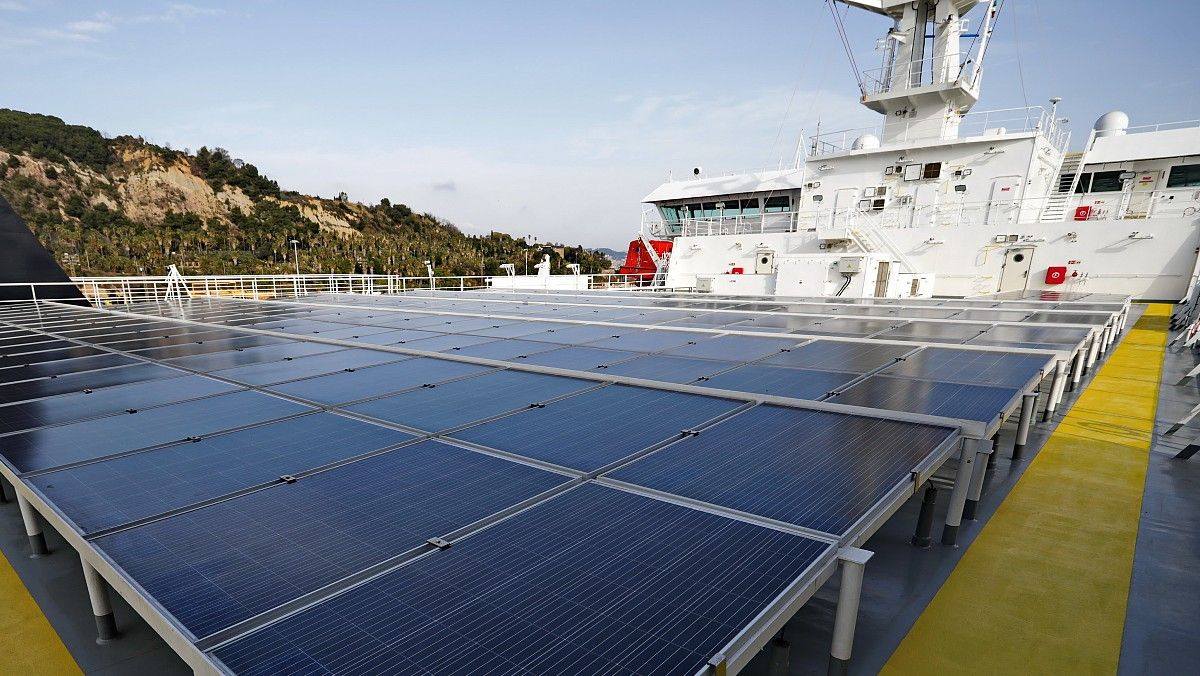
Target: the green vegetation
(74, 189)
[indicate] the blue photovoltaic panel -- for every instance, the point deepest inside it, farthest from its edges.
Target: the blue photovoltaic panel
(810, 468)
(503, 329)
(121, 490)
(106, 401)
(452, 404)
(850, 326)
(250, 355)
(22, 356)
(837, 355)
(215, 566)
(78, 382)
(574, 334)
(650, 340)
(951, 400)
(941, 332)
(668, 369)
(302, 367)
(376, 380)
(577, 358)
(971, 366)
(63, 367)
(91, 439)
(507, 348)
(734, 348)
(593, 581)
(591, 430)
(1067, 337)
(781, 381)
(778, 323)
(1096, 319)
(208, 346)
(447, 343)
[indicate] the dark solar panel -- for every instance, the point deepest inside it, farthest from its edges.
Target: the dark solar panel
(942, 332)
(850, 326)
(507, 348)
(376, 380)
(218, 565)
(840, 355)
(781, 381)
(578, 358)
(446, 343)
(121, 490)
(593, 581)
(591, 430)
(91, 439)
(251, 355)
(734, 348)
(22, 356)
(208, 346)
(568, 334)
(105, 401)
(302, 367)
(63, 367)
(452, 404)
(970, 366)
(650, 341)
(668, 369)
(813, 469)
(951, 400)
(78, 382)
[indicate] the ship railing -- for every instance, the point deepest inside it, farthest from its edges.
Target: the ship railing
(912, 74)
(784, 221)
(976, 123)
(118, 291)
(1163, 126)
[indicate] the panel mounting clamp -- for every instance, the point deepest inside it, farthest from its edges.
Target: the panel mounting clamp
(288, 478)
(439, 543)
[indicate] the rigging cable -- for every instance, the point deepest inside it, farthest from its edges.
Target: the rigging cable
(841, 30)
(1020, 66)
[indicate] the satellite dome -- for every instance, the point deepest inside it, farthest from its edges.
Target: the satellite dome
(1111, 124)
(865, 142)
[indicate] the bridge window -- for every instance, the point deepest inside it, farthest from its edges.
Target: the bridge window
(1107, 181)
(750, 207)
(670, 214)
(777, 204)
(1184, 176)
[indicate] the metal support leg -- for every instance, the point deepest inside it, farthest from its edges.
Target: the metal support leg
(1056, 389)
(853, 562)
(958, 496)
(923, 537)
(1093, 352)
(106, 624)
(1028, 403)
(3, 492)
(33, 528)
(781, 655)
(1077, 369)
(975, 490)
(991, 459)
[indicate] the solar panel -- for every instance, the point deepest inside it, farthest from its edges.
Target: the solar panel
(446, 343)
(970, 366)
(591, 430)
(578, 358)
(594, 581)
(251, 355)
(747, 348)
(935, 331)
(813, 469)
(841, 356)
(63, 367)
(106, 401)
(102, 495)
(92, 439)
(952, 400)
(452, 404)
(301, 367)
(78, 382)
(292, 539)
(22, 356)
(668, 369)
(376, 380)
(207, 346)
(781, 381)
(649, 340)
(507, 348)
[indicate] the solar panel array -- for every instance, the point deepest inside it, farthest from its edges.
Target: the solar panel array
(292, 504)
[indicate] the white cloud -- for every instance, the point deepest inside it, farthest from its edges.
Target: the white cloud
(97, 25)
(12, 6)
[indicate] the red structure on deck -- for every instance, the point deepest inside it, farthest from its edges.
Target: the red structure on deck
(640, 262)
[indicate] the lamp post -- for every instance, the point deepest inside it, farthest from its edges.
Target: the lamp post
(296, 251)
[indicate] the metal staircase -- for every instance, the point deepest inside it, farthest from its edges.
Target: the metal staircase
(660, 261)
(1055, 208)
(873, 240)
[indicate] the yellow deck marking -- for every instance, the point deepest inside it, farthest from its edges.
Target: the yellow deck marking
(28, 644)
(1043, 588)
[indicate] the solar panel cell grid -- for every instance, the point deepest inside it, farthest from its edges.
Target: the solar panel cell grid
(377, 380)
(593, 581)
(952, 400)
(780, 381)
(817, 470)
(295, 538)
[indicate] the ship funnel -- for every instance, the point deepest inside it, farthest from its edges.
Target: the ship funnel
(1111, 124)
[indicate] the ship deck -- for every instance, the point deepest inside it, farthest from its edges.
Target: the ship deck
(1080, 557)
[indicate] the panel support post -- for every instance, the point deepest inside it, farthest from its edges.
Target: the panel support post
(923, 538)
(853, 562)
(958, 496)
(1093, 352)
(1056, 389)
(3, 492)
(106, 624)
(781, 655)
(975, 490)
(1077, 369)
(1028, 404)
(991, 459)
(33, 528)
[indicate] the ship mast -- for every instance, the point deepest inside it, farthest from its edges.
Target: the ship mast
(924, 89)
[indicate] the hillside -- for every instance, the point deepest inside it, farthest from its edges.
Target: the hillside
(124, 206)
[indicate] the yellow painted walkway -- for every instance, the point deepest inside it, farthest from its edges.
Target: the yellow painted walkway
(28, 644)
(1044, 586)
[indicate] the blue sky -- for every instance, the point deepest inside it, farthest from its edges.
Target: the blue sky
(545, 118)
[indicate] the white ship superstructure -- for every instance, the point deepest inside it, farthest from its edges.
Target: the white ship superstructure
(942, 200)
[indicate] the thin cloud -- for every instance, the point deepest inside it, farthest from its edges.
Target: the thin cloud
(12, 6)
(448, 186)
